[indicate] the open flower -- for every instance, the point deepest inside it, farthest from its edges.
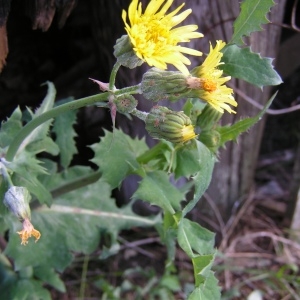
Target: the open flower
(210, 84)
(27, 232)
(154, 38)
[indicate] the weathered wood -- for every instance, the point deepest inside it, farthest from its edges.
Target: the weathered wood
(233, 174)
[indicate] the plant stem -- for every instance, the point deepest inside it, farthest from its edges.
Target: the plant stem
(113, 75)
(76, 184)
(30, 126)
(5, 174)
(140, 114)
(83, 277)
(151, 153)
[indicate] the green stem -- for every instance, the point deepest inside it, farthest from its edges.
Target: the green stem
(83, 277)
(29, 127)
(113, 75)
(76, 184)
(135, 89)
(5, 174)
(151, 153)
(140, 114)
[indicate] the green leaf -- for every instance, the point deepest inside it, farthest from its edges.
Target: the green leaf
(203, 177)
(41, 131)
(231, 132)
(243, 64)
(156, 189)
(14, 287)
(116, 156)
(194, 238)
(188, 161)
(10, 128)
(26, 169)
(44, 144)
(252, 16)
(74, 224)
(65, 133)
(208, 290)
(202, 265)
(49, 276)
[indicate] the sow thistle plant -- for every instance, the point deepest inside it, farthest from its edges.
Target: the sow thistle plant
(71, 206)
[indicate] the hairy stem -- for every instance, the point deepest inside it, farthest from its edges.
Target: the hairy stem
(30, 126)
(76, 184)
(113, 75)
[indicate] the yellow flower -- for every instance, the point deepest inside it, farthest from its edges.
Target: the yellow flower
(27, 232)
(153, 37)
(188, 133)
(210, 84)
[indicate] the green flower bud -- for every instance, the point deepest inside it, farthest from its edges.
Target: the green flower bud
(159, 85)
(125, 54)
(17, 200)
(211, 139)
(125, 103)
(175, 127)
(208, 118)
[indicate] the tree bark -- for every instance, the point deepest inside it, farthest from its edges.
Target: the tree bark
(233, 174)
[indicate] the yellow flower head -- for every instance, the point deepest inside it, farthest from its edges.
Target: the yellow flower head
(209, 82)
(27, 232)
(188, 133)
(154, 38)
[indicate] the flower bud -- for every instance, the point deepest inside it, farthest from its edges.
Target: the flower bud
(211, 139)
(17, 200)
(125, 54)
(159, 85)
(175, 127)
(208, 118)
(125, 103)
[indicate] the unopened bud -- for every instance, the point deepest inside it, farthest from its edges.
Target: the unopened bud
(17, 201)
(125, 103)
(159, 85)
(125, 54)
(211, 139)
(175, 127)
(208, 117)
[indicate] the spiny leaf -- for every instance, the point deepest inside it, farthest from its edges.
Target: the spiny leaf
(188, 161)
(231, 133)
(202, 265)
(10, 128)
(203, 177)
(208, 290)
(65, 133)
(243, 64)
(26, 169)
(156, 189)
(49, 276)
(75, 223)
(117, 158)
(41, 131)
(194, 238)
(13, 286)
(252, 16)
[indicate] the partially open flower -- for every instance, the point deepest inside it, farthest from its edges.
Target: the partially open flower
(153, 36)
(175, 127)
(27, 232)
(209, 84)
